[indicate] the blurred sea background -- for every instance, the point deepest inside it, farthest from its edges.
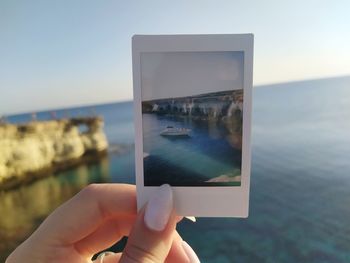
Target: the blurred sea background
(58, 54)
(299, 201)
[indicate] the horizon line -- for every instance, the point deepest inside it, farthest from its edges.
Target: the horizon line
(301, 80)
(78, 105)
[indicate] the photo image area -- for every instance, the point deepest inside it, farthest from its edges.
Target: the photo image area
(192, 117)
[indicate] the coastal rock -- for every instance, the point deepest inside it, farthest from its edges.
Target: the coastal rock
(224, 108)
(27, 150)
(215, 105)
(94, 142)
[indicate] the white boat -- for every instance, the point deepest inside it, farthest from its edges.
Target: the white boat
(172, 131)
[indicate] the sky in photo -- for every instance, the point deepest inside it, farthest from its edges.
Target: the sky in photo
(65, 53)
(180, 74)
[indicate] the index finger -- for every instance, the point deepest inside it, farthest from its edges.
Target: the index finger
(85, 212)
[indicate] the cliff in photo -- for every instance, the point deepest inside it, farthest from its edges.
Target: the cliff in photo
(210, 105)
(224, 107)
(39, 148)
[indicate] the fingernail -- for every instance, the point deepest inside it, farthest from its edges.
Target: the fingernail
(104, 254)
(159, 208)
(190, 253)
(191, 218)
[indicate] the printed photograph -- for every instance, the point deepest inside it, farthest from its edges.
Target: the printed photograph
(192, 116)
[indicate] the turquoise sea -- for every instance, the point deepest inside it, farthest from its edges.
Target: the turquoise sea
(170, 159)
(300, 182)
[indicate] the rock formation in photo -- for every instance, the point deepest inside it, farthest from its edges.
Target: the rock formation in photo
(225, 107)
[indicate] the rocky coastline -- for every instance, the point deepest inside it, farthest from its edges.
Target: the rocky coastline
(225, 107)
(207, 106)
(40, 148)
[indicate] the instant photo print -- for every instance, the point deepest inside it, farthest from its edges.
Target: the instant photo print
(193, 102)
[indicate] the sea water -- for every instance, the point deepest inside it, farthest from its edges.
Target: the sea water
(170, 159)
(299, 201)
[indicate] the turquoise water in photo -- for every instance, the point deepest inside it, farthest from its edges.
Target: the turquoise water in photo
(300, 182)
(171, 159)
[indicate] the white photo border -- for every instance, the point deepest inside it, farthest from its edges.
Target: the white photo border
(211, 201)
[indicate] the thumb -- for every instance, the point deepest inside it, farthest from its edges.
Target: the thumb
(152, 236)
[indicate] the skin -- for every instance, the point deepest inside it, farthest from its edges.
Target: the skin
(95, 219)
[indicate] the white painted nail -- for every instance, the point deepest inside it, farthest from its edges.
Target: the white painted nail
(190, 253)
(191, 218)
(159, 208)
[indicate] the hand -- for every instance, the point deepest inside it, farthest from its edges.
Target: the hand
(99, 216)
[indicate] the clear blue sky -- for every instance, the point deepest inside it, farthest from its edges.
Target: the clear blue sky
(62, 53)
